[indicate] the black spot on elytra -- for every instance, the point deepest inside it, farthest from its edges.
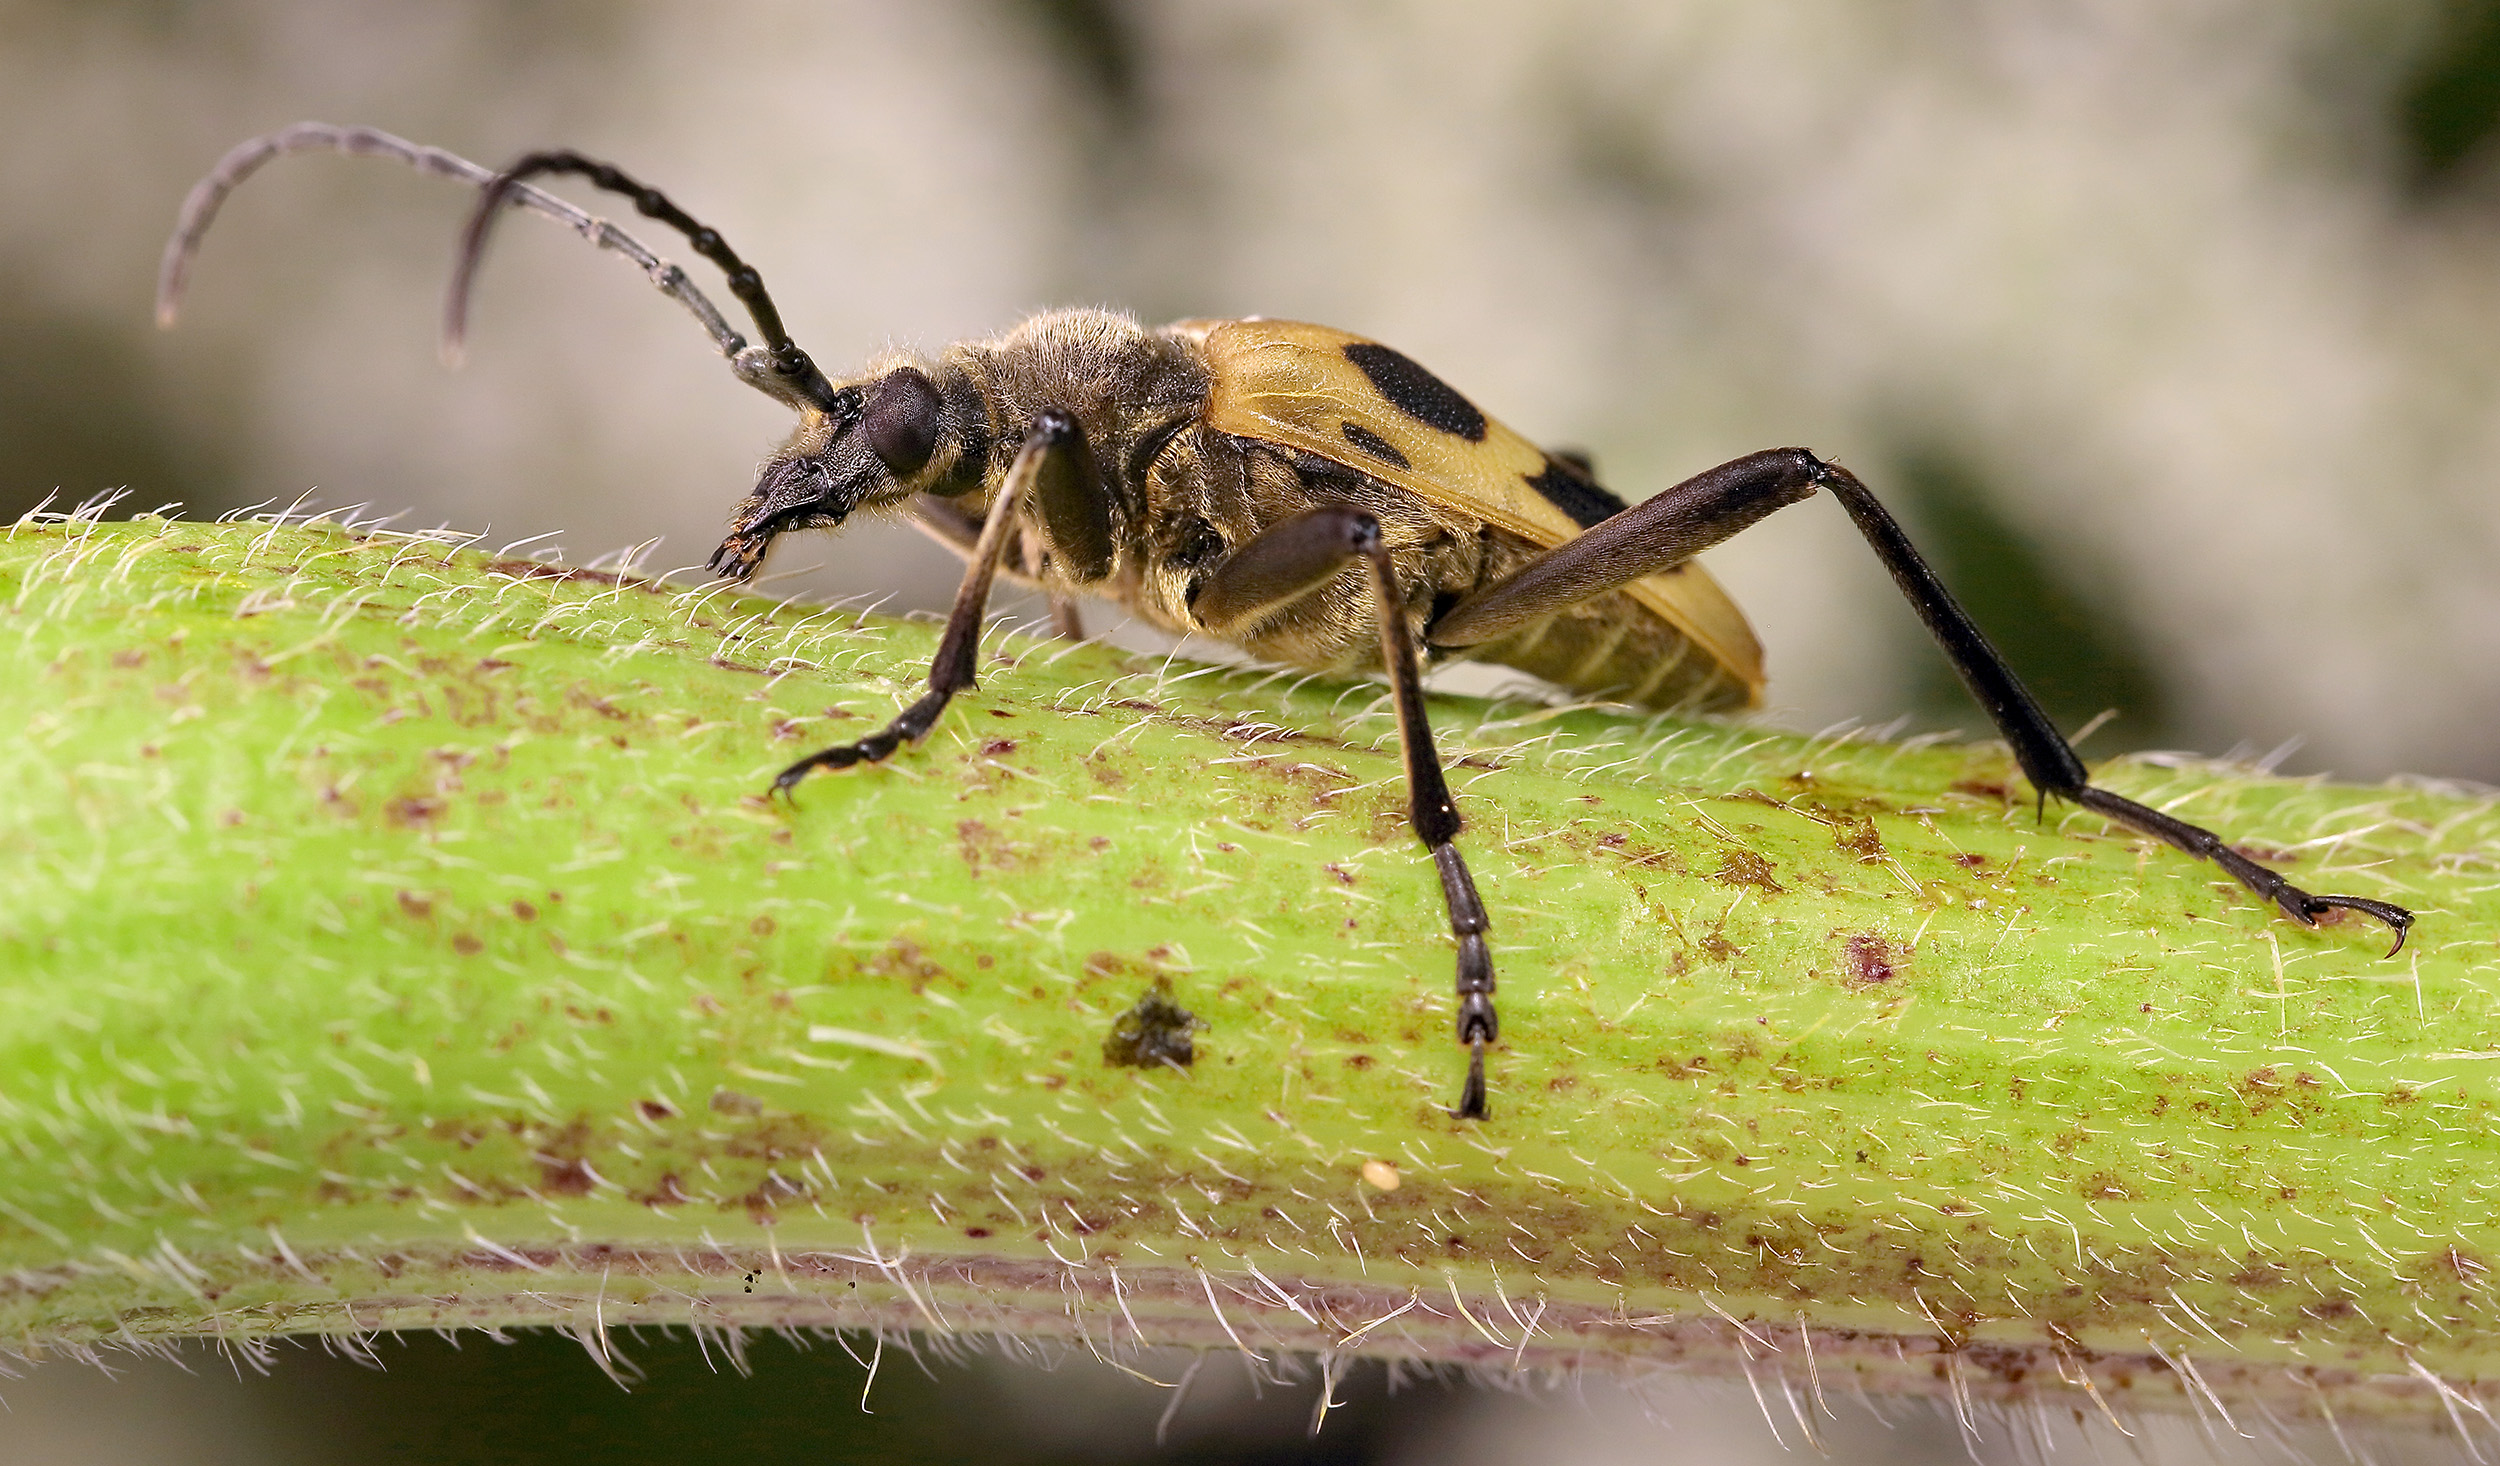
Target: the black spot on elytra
(1416, 392)
(1587, 502)
(1374, 444)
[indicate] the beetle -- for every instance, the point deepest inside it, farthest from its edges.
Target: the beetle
(1316, 499)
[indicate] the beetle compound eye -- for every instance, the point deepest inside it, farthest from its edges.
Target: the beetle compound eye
(901, 421)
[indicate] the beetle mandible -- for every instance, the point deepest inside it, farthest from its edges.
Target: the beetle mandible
(1314, 498)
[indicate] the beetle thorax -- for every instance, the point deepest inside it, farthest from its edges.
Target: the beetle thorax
(1126, 386)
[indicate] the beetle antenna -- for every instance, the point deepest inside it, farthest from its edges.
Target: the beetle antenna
(199, 211)
(791, 364)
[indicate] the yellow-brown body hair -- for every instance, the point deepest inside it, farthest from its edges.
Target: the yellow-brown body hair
(1209, 432)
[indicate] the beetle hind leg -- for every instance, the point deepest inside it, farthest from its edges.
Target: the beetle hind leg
(2047, 759)
(1700, 512)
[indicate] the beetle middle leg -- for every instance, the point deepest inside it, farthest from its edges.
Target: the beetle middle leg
(951, 671)
(1691, 517)
(1293, 560)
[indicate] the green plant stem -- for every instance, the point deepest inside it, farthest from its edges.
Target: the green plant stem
(391, 937)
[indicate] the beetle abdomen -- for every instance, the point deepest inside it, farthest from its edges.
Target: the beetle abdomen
(1609, 647)
(1612, 649)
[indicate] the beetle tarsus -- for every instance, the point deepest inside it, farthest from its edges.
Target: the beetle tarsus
(2398, 919)
(910, 726)
(737, 556)
(2262, 880)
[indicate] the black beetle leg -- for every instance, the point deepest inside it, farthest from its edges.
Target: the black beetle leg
(1293, 560)
(2047, 759)
(959, 648)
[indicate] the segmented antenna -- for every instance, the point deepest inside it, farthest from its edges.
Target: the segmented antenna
(793, 365)
(199, 210)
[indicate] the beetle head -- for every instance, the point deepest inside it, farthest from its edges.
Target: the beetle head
(874, 442)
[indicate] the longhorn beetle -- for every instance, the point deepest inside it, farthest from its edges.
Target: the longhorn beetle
(1316, 499)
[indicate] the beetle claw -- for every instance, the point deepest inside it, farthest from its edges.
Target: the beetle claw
(1471, 1104)
(2308, 909)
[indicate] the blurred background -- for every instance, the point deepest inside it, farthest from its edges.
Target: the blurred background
(2168, 324)
(428, 1401)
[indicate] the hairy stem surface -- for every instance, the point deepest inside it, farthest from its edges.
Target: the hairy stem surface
(391, 936)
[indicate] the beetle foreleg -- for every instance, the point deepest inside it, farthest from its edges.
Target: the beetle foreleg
(959, 648)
